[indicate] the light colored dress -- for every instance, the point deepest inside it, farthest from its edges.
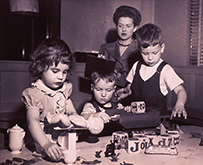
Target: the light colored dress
(48, 102)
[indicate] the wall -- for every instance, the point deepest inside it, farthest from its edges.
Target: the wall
(85, 23)
(173, 18)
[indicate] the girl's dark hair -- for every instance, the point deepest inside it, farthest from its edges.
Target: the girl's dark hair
(127, 11)
(104, 73)
(50, 51)
(149, 35)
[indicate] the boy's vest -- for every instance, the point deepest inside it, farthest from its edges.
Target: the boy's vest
(97, 105)
(149, 91)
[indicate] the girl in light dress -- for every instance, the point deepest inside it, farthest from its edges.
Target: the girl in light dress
(48, 100)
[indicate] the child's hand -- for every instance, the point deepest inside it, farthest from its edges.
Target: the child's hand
(53, 151)
(128, 108)
(104, 116)
(178, 110)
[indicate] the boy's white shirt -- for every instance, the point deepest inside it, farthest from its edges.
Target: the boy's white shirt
(168, 78)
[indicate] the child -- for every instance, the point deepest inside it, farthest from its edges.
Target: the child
(150, 78)
(103, 81)
(48, 100)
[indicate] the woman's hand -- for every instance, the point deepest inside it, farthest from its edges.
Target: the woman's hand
(53, 151)
(123, 92)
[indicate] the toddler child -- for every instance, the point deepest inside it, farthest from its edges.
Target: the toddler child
(150, 78)
(48, 100)
(103, 86)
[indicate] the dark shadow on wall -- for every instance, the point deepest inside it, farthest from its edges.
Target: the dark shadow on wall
(111, 35)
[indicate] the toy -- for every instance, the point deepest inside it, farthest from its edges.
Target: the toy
(97, 154)
(110, 149)
(138, 107)
(96, 125)
(159, 149)
(136, 144)
(115, 157)
(119, 139)
(201, 142)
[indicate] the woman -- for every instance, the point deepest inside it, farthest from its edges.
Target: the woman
(124, 51)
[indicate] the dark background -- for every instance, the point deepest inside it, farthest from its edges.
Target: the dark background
(21, 33)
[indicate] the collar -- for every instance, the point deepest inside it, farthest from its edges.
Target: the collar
(105, 106)
(42, 87)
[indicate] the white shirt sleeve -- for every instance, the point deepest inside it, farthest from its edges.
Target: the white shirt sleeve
(170, 79)
(131, 73)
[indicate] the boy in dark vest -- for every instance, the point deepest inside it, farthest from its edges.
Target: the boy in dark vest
(151, 78)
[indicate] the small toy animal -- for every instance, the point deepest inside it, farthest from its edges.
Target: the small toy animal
(97, 154)
(110, 149)
(115, 157)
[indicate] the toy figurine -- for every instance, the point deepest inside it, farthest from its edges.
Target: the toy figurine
(115, 157)
(97, 154)
(110, 149)
(201, 142)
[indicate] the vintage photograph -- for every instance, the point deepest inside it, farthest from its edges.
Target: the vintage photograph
(101, 82)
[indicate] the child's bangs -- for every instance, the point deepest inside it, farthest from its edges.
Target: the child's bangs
(65, 59)
(150, 43)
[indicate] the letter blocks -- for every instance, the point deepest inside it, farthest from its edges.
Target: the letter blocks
(140, 142)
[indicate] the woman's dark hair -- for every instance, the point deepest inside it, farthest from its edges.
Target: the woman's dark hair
(127, 11)
(51, 51)
(149, 35)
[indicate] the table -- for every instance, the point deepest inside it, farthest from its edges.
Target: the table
(189, 152)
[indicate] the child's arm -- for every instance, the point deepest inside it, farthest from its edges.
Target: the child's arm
(89, 110)
(179, 107)
(103, 115)
(51, 149)
(71, 109)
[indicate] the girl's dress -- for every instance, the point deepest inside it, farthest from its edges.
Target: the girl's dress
(48, 102)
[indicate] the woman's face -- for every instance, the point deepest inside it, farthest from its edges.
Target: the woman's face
(125, 28)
